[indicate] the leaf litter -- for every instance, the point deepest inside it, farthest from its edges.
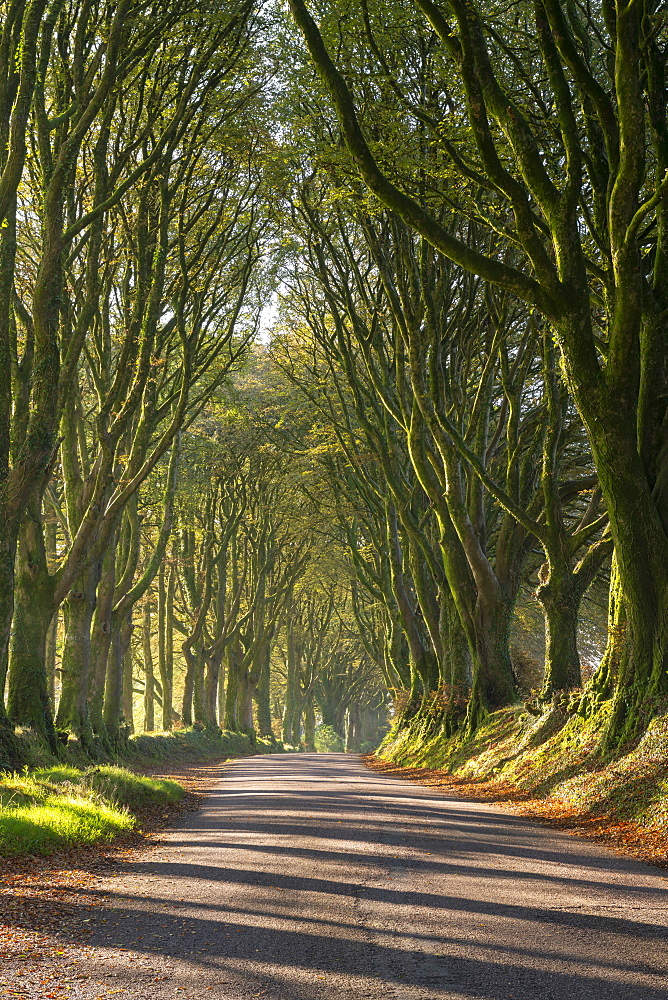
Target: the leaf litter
(48, 905)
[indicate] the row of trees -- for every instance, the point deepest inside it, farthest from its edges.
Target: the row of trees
(464, 397)
(138, 243)
(132, 230)
(483, 274)
(245, 624)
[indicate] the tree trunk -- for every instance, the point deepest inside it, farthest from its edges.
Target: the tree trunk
(560, 599)
(28, 696)
(212, 682)
(309, 724)
(50, 539)
(8, 516)
(456, 676)
(291, 685)
(353, 732)
(78, 609)
(641, 548)
(128, 687)
(188, 685)
(101, 640)
(296, 733)
(50, 660)
(245, 703)
(262, 694)
(199, 690)
(423, 661)
(116, 707)
(493, 617)
(222, 694)
(147, 651)
(232, 694)
(7, 587)
(166, 644)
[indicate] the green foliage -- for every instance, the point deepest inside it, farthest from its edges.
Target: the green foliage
(327, 740)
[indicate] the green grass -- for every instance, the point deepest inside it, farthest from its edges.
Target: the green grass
(557, 758)
(56, 807)
(115, 784)
(60, 821)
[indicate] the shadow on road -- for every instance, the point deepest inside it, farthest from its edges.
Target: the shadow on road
(303, 868)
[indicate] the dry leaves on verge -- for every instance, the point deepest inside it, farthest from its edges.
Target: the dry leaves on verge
(624, 837)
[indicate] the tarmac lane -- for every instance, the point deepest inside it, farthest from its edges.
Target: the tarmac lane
(307, 876)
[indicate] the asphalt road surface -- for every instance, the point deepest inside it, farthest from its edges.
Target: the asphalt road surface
(308, 877)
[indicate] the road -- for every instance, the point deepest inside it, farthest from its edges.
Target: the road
(308, 877)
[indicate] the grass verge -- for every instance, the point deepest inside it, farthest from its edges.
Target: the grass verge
(552, 769)
(48, 805)
(55, 808)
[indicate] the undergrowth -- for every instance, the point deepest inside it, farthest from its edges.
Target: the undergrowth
(556, 758)
(26, 749)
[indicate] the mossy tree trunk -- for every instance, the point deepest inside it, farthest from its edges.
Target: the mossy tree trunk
(100, 639)
(28, 702)
(166, 596)
(115, 702)
(50, 660)
(292, 690)
(354, 729)
(23, 36)
(200, 705)
(561, 606)
(263, 694)
(127, 713)
(149, 672)
(78, 610)
(216, 652)
(7, 587)
(245, 694)
(50, 538)
(232, 694)
(309, 723)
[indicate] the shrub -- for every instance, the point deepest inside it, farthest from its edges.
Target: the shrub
(327, 740)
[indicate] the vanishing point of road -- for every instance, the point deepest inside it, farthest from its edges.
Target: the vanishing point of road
(307, 877)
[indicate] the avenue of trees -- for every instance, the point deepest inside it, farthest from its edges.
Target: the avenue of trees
(333, 350)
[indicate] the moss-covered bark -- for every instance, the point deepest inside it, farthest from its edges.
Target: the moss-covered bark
(149, 671)
(263, 694)
(560, 599)
(232, 695)
(100, 640)
(166, 648)
(245, 693)
(78, 610)
(28, 702)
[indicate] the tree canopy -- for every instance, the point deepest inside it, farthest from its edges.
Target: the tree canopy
(334, 368)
